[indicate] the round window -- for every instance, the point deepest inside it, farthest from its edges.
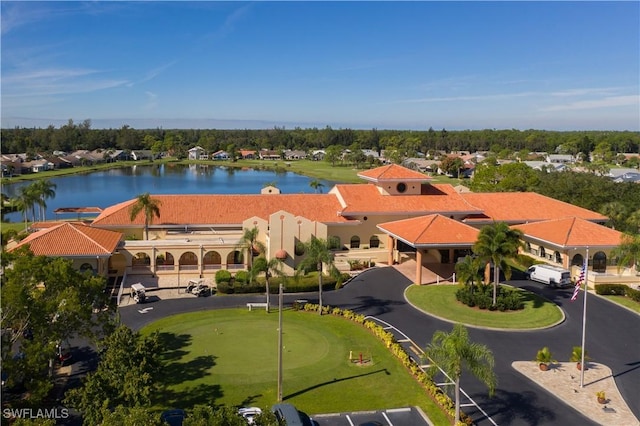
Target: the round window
(401, 187)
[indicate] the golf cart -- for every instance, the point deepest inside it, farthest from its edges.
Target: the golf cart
(198, 288)
(138, 293)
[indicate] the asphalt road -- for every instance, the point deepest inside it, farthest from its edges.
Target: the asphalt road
(611, 339)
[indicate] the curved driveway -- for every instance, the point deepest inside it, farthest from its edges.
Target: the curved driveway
(612, 339)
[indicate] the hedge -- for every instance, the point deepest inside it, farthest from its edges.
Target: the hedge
(387, 338)
(618, 290)
(507, 299)
(307, 283)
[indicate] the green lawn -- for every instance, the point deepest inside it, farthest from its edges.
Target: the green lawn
(440, 301)
(230, 357)
(625, 301)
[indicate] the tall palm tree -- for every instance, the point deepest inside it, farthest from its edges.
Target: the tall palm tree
(453, 351)
(469, 270)
(317, 253)
(316, 185)
(249, 241)
(271, 268)
(43, 190)
(628, 252)
(149, 206)
(25, 202)
(496, 243)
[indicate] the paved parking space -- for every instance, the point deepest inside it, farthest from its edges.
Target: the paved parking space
(410, 416)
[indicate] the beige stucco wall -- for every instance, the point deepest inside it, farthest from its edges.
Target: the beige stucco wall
(412, 188)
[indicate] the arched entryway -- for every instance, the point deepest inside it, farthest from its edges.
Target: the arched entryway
(577, 260)
(212, 260)
(165, 262)
(355, 242)
(599, 262)
(188, 262)
(140, 261)
(234, 260)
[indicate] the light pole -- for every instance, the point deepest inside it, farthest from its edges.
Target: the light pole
(280, 343)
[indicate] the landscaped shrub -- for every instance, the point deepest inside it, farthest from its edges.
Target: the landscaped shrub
(507, 299)
(618, 290)
(223, 276)
(224, 287)
(242, 277)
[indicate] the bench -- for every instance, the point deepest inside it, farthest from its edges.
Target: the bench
(256, 305)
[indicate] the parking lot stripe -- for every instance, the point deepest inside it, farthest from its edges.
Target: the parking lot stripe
(349, 419)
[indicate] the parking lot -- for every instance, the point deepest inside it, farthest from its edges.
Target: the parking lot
(410, 416)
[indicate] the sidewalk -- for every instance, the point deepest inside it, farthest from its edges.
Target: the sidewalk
(563, 382)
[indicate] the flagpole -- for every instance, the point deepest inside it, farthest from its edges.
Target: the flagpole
(584, 317)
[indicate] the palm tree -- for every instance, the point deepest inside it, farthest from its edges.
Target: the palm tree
(496, 243)
(453, 351)
(316, 185)
(249, 241)
(25, 201)
(628, 252)
(272, 267)
(469, 270)
(317, 254)
(616, 212)
(150, 207)
(43, 190)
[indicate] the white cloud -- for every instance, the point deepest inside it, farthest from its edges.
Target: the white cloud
(607, 102)
(492, 97)
(588, 91)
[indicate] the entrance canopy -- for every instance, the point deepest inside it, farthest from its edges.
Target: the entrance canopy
(432, 231)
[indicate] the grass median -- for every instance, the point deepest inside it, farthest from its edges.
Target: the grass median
(230, 357)
(440, 300)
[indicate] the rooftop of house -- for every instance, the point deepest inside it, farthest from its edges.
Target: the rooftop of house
(72, 239)
(432, 229)
(572, 232)
(392, 172)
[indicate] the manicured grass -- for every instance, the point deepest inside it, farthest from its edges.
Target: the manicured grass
(440, 300)
(624, 301)
(230, 357)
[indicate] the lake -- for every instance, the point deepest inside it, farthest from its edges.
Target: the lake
(105, 188)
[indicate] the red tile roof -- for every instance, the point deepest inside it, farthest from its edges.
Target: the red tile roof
(572, 232)
(366, 198)
(226, 209)
(436, 230)
(392, 172)
(519, 207)
(69, 239)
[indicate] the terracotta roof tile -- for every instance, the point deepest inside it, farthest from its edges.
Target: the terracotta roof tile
(572, 232)
(526, 207)
(392, 172)
(69, 239)
(366, 198)
(226, 209)
(432, 230)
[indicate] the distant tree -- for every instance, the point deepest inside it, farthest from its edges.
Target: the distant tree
(628, 252)
(454, 352)
(150, 207)
(43, 189)
(616, 212)
(452, 165)
(131, 416)
(333, 153)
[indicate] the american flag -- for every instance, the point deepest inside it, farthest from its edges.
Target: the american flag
(580, 280)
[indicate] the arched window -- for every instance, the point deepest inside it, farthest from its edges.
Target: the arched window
(374, 242)
(557, 257)
(600, 262)
(165, 259)
(577, 260)
(234, 258)
(543, 253)
(141, 259)
(188, 258)
(355, 242)
(212, 260)
(86, 267)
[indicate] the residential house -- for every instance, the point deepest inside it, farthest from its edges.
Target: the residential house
(247, 154)
(198, 153)
(560, 158)
(220, 155)
(291, 154)
(267, 154)
(142, 154)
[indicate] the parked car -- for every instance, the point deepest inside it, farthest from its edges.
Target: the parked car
(249, 414)
(287, 415)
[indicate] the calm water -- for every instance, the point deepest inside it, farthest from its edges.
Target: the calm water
(103, 189)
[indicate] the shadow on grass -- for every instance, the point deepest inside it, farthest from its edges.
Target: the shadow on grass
(300, 392)
(175, 371)
(528, 296)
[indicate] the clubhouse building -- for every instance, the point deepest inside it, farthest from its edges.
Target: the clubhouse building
(396, 216)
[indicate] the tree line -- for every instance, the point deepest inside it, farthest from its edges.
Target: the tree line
(72, 136)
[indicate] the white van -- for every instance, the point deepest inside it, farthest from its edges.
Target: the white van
(550, 275)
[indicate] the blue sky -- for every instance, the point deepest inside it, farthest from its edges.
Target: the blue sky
(388, 65)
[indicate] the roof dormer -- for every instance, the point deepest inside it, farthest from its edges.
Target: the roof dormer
(396, 180)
